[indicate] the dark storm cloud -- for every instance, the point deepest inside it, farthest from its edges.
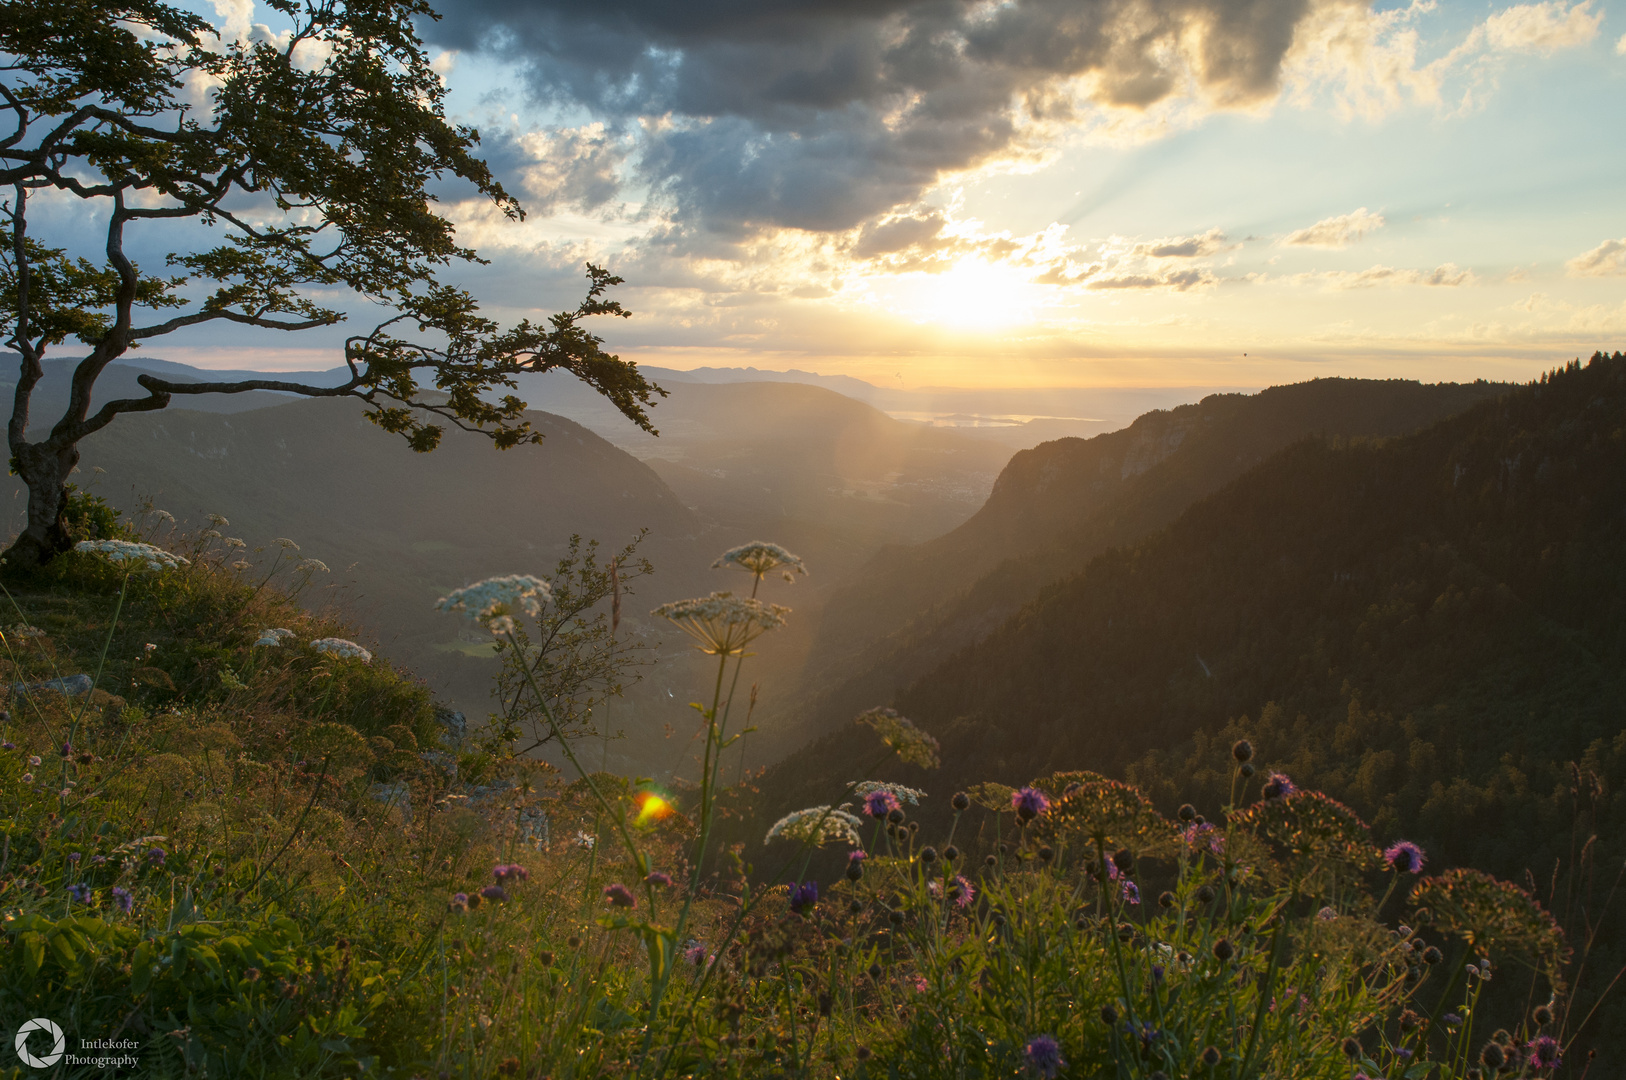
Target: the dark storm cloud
(822, 114)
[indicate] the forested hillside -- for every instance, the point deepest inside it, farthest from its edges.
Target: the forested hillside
(1431, 628)
(1057, 506)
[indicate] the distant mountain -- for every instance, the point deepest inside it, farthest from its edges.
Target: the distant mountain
(1426, 626)
(1060, 504)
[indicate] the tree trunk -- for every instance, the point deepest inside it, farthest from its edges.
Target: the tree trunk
(45, 472)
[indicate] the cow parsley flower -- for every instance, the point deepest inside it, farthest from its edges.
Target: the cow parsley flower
(273, 637)
(817, 825)
(164, 515)
(760, 557)
(128, 551)
(494, 602)
(311, 566)
(903, 794)
(913, 746)
(723, 624)
(217, 521)
(285, 543)
(338, 646)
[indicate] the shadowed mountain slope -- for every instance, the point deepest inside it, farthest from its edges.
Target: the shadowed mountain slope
(1060, 504)
(1420, 614)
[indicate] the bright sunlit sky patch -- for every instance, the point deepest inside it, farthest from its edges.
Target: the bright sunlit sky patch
(1029, 193)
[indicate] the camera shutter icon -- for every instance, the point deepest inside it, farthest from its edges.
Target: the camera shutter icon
(58, 1044)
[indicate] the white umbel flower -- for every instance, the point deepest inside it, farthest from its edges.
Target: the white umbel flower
(338, 646)
(760, 557)
(817, 825)
(909, 795)
(723, 623)
(127, 551)
(493, 602)
(274, 637)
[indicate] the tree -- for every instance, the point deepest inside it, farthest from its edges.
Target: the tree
(305, 159)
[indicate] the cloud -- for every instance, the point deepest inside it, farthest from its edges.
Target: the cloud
(1335, 233)
(1184, 247)
(823, 115)
(1543, 28)
(1446, 274)
(1605, 260)
(1620, 46)
(1176, 280)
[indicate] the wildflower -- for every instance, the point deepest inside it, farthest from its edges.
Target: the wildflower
(878, 804)
(1124, 860)
(1405, 858)
(34, 759)
(1211, 1056)
(1223, 949)
(459, 903)
(161, 515)
(695, 954)
(620, 896)
(657, 878)
(234, 542)
(961, 891)
(507, 872)
(122, 899)
(127, 551)
(1203, 834)
(217, 521)
(903, 794)
(585, 839)
(28, 778)
(1351, 1047)
(339, 646)
(804, 895)
(493, 602)
(1543, 1052)
(495, 893)
(855, 865)
(1326, 914)
(724, 624)
(921, 985)
(817, 825)
(285, 543)
(1452, 1020)
(1278, 786)
(913, 746)
(8, 746)
(1242, 750)
(273, 637)
(310, 566)
(1043, 1054)
(1131, 892)
(73, 856)
(760, 557)
(1029, 803)
(80, 892)
(961, 801)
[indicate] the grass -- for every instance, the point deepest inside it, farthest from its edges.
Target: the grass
(262, 862)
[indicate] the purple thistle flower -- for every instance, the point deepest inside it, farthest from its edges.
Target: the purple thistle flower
(695, 954)
(80, 892)
(656, 877)
(962, 892)
(73, 856)
(878, 804)
(620, 896)
(1131, 892)
(1043, 1054)
(1198, 834)
(1029, 803)
(804, 895)
(157, 856)
(460, 902)
(97, 860)
(8, 746)
(494, 893)
(1543, 1052)
(1405, 858)
(857, 856)
(1278, 786)
(510, 871)
(122, 899)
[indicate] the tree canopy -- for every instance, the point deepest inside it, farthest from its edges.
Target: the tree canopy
(292, 174)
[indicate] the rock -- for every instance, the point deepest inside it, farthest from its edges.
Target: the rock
(454, 726)
(71, 686)
(395, 794)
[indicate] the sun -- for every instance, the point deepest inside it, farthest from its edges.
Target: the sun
(973, 295)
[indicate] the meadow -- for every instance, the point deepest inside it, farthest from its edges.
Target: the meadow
(254, 849)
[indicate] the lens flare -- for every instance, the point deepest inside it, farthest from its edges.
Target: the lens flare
(652, 807)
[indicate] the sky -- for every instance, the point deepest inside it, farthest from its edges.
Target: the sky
(1046, 192)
